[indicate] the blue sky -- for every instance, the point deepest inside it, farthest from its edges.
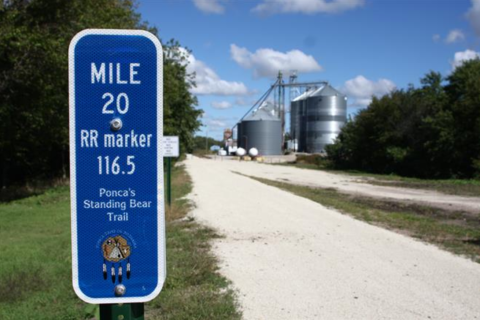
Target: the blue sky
(362, 47)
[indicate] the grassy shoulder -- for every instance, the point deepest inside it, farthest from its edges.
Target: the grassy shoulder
(35, 263)
(458, 232)
(470, 188)
(35, 258)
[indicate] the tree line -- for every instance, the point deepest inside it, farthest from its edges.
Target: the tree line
(34, 40)
(429, 132)
(204, 143)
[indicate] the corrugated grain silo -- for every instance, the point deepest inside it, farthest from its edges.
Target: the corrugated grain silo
(301, 119)
(262, 130)
(325, 114)
(297, 108)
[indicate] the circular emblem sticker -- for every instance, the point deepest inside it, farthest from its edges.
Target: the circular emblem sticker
(115, 249)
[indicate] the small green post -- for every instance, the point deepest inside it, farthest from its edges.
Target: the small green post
(169, 181)
(126, 311)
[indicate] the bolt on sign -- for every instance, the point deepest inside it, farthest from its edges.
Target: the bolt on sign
(116, 164)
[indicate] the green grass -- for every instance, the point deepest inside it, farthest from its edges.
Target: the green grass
(458, 232)
(35, 259)
(35, 263)
(459, 187)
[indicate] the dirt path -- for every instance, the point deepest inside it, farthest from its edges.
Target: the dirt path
(352, 185)
(291, 258)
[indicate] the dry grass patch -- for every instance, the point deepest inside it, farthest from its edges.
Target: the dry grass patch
(15, 286)
(175, 212)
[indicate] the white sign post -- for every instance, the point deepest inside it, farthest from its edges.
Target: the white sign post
(171, 148)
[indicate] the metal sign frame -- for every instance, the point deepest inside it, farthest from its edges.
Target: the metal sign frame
(160, 210)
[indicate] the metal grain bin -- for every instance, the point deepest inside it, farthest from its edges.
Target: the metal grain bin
(302, 142)
(239, 136)
(263, 131)
(297, 109)
(326, 113)
(302, 120)
(298, 120)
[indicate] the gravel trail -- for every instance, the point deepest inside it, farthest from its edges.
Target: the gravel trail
(291, 258)
(351, 185)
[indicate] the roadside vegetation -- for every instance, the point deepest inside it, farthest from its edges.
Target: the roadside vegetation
(458, 232)
(427, 132)
(201, 146)
(35, 262)
(34, 142)
(460, 187)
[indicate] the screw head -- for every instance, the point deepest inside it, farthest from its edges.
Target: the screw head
(120, 290)
(116, 124)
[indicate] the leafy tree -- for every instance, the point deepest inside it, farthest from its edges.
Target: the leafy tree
(34, 81)
(374, 140)
(433, 140)
(464, 103)
(181, 118)
(200, 142)
(431, 132)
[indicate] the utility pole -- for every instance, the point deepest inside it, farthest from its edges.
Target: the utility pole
(281, 105)
(206, 139)
(293, 93)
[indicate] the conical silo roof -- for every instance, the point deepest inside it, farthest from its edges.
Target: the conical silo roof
(261, 115)
(304, 95)
(327, 91)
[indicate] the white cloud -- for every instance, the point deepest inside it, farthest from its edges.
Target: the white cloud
(243, 102)
(208, 82)
(216, 124)
(455, 36)
(361, 90)
(267, 62)
(462, 56)
(221, 104)
(269, 7)
(473, 16)
(209, 6)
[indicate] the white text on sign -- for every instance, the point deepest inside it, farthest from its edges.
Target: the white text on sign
(100, 74)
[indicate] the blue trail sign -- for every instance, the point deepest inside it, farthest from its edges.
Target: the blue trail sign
(116, 166)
